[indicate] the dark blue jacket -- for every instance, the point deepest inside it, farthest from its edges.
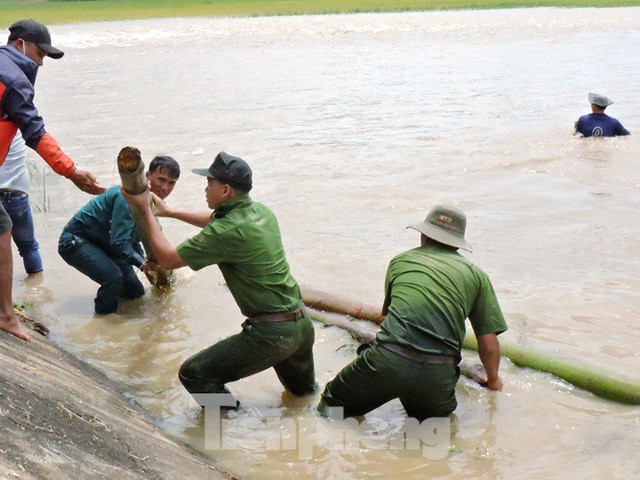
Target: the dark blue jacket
(17, 111)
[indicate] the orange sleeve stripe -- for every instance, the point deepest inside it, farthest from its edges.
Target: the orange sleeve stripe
(7, 131)
(50, 151)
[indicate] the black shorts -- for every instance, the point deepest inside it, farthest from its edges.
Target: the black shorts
(5, 221)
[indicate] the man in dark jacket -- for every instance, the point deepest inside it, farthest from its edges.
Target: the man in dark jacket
(29, 42)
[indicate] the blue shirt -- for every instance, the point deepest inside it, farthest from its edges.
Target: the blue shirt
(600, 125)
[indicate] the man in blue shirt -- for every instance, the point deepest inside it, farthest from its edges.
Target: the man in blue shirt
(598, 123)
(101, 240)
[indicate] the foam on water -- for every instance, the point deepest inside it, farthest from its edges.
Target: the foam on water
(452, 25)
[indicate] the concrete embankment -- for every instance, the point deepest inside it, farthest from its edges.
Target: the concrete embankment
(61, 419)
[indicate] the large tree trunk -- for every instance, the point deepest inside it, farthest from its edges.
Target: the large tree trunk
(131, 170)
(604, 384)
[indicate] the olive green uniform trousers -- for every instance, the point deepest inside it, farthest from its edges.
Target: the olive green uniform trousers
(379, 375)
(285, 346)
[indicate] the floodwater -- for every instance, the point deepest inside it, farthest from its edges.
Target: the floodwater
(355, 126)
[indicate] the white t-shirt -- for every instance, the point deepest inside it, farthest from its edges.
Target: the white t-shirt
(13, 172)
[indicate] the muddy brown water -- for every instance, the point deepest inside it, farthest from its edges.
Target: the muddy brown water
(354, 126)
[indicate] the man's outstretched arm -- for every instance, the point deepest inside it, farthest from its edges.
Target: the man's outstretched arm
(167, 255)
(161, 209)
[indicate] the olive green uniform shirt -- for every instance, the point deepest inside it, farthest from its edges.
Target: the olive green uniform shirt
(430, 291)
(243, 239)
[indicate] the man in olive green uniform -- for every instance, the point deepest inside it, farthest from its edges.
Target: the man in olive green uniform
(430, 291)
(243, 238)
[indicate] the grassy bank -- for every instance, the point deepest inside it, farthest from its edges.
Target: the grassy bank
(52, 12)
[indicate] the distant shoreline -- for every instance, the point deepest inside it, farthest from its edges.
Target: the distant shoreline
(70, 11)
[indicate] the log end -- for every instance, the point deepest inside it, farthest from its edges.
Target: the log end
(129, 160)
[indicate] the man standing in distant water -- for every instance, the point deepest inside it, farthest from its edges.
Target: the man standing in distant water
(29, 43)
(598, 123)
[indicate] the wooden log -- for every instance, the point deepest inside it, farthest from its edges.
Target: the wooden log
(337, 304)
(602, 383)
(34, 325)
(131, 170)
(605, 384)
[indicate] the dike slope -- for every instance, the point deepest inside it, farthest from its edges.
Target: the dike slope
(60, 418)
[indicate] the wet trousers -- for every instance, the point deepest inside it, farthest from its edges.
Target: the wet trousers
(379, 375)
(16, 204)
(116, 277)
(285, 346)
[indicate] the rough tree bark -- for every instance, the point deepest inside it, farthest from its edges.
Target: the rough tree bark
(131, 170)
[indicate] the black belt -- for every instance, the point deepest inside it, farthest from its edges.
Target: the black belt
(276, 317)
(420, 357)
(8, 192)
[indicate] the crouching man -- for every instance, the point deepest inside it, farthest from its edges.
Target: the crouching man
(429, 292)
(102, 242)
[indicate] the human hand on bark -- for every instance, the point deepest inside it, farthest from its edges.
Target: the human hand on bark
(159, 208)
(140, 201)
(147, 267)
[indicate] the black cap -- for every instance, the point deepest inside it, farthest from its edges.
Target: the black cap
(228, 169)
(37, 33)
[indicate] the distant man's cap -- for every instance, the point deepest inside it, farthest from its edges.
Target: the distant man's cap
(445, 224)
(228, 169)
(37, 33)
(599, 100)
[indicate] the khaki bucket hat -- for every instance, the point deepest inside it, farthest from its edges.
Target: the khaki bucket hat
(445, 224)
(599, 100)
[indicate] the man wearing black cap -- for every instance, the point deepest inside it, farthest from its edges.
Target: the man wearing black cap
(243, 238)
(29, 42)
(429, 292)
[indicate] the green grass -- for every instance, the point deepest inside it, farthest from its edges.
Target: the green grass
(69, 11)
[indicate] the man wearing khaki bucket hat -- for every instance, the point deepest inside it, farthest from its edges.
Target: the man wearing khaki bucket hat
(598, 123)
(429, 292)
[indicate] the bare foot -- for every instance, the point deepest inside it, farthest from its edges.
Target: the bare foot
(34, 279)
(14, 327)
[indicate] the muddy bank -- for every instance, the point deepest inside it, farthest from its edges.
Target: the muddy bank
(60, 419)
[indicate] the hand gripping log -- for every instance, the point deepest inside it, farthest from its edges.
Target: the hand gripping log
(602, 383)
(131, 170)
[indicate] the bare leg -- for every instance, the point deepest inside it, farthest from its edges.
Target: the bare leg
(8, 320)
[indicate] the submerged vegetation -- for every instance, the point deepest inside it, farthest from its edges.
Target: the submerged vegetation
(70, 11)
